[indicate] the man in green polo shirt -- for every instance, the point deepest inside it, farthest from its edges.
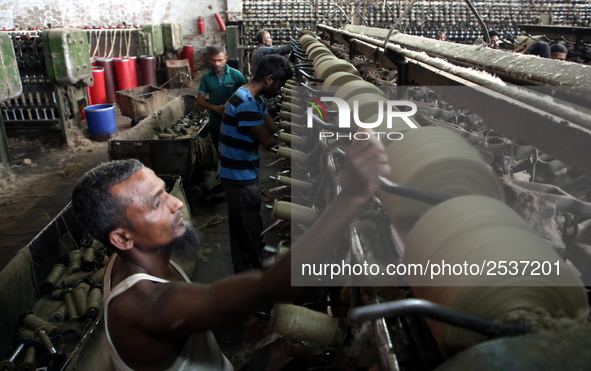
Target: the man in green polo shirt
(220, 82)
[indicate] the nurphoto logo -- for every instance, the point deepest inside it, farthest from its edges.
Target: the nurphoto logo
(344, 117)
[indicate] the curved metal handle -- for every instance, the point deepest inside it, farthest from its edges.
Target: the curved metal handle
(311, 78)
(400, 190)
(300, 65)
(302, 57)
(414, 194)
(479, 18)
(566, 41)
(316, 92)
(439, 313)
(307, 69)
(297, 48)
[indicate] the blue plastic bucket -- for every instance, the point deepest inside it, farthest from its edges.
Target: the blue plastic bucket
(100, 119)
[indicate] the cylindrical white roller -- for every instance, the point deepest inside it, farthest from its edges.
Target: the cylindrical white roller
(338, 79)
(294, 183)
(329, 67)
(387, 136)
(303, 324)
(357, 87)
(292, 128)
(289, 107)
(292, 154)
(294, 212)
(292, 139)
(436, 160)
(317, 52)
(322, 58)
(368, 105)
(475, 229)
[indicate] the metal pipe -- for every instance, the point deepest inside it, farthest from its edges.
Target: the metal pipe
(301, 56)
(306, 69)
(300, 65)
(316, 92)
(297, 48)
(438, 313)
(341, 9)
(413, 194)
(8, 365)
(482, 24)
(397, 23)
(311, 78)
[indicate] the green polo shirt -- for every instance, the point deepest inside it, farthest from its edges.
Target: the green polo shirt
(220, 89)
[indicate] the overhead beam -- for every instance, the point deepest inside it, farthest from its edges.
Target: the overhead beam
(514, 67)
(558, 128)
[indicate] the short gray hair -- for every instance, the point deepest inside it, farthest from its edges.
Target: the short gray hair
(215, 50)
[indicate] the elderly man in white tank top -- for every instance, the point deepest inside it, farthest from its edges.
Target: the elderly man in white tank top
(156, 319)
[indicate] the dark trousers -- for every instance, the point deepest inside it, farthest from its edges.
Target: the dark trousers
(215, 137)
(246, 225)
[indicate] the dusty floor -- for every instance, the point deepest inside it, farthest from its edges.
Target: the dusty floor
(44, 176)
(42, 187)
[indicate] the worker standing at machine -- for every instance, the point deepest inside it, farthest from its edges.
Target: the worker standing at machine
(266, 47)
(220, 82)
(558, 51)
(244, 128)
(495, 41)
(539, 48)
(155, 318)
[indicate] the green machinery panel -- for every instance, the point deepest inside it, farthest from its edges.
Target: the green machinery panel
(232, 42)
(172, 34)
(151, 40)
(9, 75)
(67, 56)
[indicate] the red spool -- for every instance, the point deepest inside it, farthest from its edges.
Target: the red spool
(123, 73)
(201, 23)
(110, 79)
(188, 54)
(218, 18)
(98, 93)
(134, 74)
(148, 70)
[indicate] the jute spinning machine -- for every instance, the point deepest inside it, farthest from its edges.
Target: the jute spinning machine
(454, 194)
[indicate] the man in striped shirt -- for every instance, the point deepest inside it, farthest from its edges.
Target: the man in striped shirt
(244, 128)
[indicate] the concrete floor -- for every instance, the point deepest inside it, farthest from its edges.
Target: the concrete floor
(41, 191)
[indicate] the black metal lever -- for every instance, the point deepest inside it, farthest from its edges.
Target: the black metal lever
(414, 194)
(316, 92)
(400, 190)
(311, 78)
(439, 313)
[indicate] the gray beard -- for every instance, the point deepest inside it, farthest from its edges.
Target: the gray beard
(183, 247)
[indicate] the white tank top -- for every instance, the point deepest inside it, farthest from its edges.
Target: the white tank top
(201, 352)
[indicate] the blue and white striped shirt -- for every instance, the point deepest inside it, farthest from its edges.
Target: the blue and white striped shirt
(239, 146)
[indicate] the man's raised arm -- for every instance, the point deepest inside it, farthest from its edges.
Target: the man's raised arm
(234, 299)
